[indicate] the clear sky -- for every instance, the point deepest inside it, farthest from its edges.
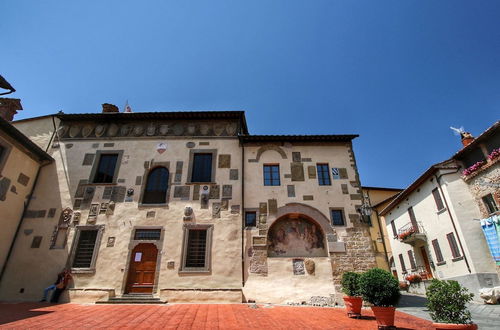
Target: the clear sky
(398, 73)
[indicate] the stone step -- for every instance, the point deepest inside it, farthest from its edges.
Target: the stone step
(133, 299)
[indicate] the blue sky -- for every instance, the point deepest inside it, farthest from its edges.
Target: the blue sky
(398, 73)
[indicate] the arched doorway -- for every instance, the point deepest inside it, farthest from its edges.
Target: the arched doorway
(295, 235)
(142, 269)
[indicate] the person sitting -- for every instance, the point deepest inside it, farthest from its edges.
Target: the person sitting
(61, 286)
(60, 276)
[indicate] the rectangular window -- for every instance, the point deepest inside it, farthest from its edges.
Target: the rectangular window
(106, 168)
(147, 234)
(437, 251)
(402, 262)
(85, 249)
(196, 249)
(323, 174)
(337, 218)
(413, 219)
(490, 204)
(250, 219)
(394, 230)
(271, 175)
(437, 199)
(453, 245)
(412, 260)
(202, 167)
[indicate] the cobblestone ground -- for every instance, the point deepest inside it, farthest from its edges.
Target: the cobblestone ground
(485, 316)
(188, 316)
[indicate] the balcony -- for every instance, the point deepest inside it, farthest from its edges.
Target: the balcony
(411, 233)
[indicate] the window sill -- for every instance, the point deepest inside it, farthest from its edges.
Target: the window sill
(200, 183)
(441, 211)
(141, 205)
(82, 271)
(100, 184)
(441, 263)
(194, 272)
(457, 259)
(250, 227)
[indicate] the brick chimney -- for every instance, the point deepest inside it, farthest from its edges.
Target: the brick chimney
(467, 138)
(109, 108)
(9, 107)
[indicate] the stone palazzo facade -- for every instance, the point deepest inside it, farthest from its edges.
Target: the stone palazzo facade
(187, 207)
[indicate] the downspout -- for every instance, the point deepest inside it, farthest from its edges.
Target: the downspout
(26, 205)
(451, 217)
(243, 215)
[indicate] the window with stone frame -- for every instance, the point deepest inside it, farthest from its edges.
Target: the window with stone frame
(85, 248)
(155, 190)
(489, 202)
(250, 219)
(437, 251)
(453, 245)
(106, 166)
(323, 174)
(271, 175)
(202, 165)
(411, 257)
(337, 216)
(196, 253)
(438, 199)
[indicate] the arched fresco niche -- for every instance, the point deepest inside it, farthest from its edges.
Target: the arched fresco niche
(296, 236)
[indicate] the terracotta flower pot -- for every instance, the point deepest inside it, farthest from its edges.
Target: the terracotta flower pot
(353, 305)
(471, 326)
(384, 315)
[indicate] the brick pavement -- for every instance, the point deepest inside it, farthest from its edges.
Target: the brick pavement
(189, 316)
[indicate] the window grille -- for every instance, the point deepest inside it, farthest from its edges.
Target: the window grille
(196, 248)
(85, 249)
(147, 234)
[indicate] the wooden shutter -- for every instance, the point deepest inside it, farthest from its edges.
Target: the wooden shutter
(453, 245)
(437, 250)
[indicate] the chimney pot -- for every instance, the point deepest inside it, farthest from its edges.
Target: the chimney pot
(467, 138)
(109, 108)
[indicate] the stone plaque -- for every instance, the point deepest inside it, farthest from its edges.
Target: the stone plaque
(204, 143)
(204, 202)
(297, 170)
(107, 192)
(345, 191)
(227, 191)
(138, 180)
(95, 145)
(177, 178)
(37, 240)
(216, 210)
(23, 179)
(150, 214)
(308, 160)
(308, 197)
(224, 161)
(235, 209)
(214, 192)
(310, 266)
(109, 145)
(233, 174)
(178, 167)
(146, 164)
(259, 240)
(182, 191)
(263, 208)
(196, 192)
(118, 194)
(262, 220)
(190, 145)
(290, 190)
(88, 195)
(356, 197)
(103, 208)
(88, 159)
(298, 267)
(111, 242)
(273, 206)
(343, 173)
(311, 172)
(224, 205)
(296, 157)
(171, 264)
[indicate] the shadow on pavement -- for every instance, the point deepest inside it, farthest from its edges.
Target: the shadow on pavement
(412, 301)
(13, 312)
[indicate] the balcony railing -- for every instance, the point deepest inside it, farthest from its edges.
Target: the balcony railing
(411, 232)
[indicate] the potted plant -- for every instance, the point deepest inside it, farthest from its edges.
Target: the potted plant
(350, 286)
(413, 278)
(447, 305)
(381, 289)
(403, 286)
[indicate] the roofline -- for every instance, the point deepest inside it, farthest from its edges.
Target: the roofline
(14, 133)
(477, 140)
(384, 201)
(297, 138)
(381, 188)
(33, 118)
(430, 171)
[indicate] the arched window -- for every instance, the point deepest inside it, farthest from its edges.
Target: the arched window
(156, 186)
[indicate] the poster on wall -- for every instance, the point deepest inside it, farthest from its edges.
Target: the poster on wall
(296, 238)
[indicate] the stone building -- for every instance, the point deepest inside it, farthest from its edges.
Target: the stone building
(435, 222)
(20, 163)
(187, 207)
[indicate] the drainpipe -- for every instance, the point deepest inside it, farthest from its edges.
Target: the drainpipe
(243, 215)
(451, 217)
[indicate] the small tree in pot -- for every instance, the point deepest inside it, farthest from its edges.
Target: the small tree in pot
(350, 286)
(381, 289)
(447, 303)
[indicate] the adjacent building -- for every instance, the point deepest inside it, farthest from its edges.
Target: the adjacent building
(188, 207)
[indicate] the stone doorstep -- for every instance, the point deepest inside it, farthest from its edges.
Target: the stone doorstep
(133, 299)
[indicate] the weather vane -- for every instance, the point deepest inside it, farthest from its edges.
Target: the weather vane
(5, 85)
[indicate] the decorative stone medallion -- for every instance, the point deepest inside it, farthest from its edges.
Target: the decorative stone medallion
(125, 130)
(74, 130)
(62, 130)
(218, 129)
(113, 130)
(231, 128)
(161, 147)
(99, 130)
(163, 129)
(87, 130)
(178, 129)
(151, 130)
(191, 129)
(138, 130)
(204, 129)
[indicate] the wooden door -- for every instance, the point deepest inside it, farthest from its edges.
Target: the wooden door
(426, 262)
(141, 274)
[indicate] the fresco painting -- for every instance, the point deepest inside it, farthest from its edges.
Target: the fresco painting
(296, 237)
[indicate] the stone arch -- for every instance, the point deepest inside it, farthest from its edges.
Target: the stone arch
(296, 235)
(307, 210)
(270, 147)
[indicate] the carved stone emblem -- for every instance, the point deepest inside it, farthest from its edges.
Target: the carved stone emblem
(65, 216)
(218, 129)
(188, 213)
(161, 147)
(138, 130)
(298, 267)
(130, 192)
(163, 129)
(99, 130)
(125, 130)
(113, 130)
(191, 129)
(216, 210)
(151, 130)
(87, 130)
(310, 266)
(74, 130)
(178, 129)
(204, 129)
(231, 128)
(76, 217)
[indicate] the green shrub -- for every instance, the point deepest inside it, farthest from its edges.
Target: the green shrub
(379, 287)
(350, 284)
(447, 302)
